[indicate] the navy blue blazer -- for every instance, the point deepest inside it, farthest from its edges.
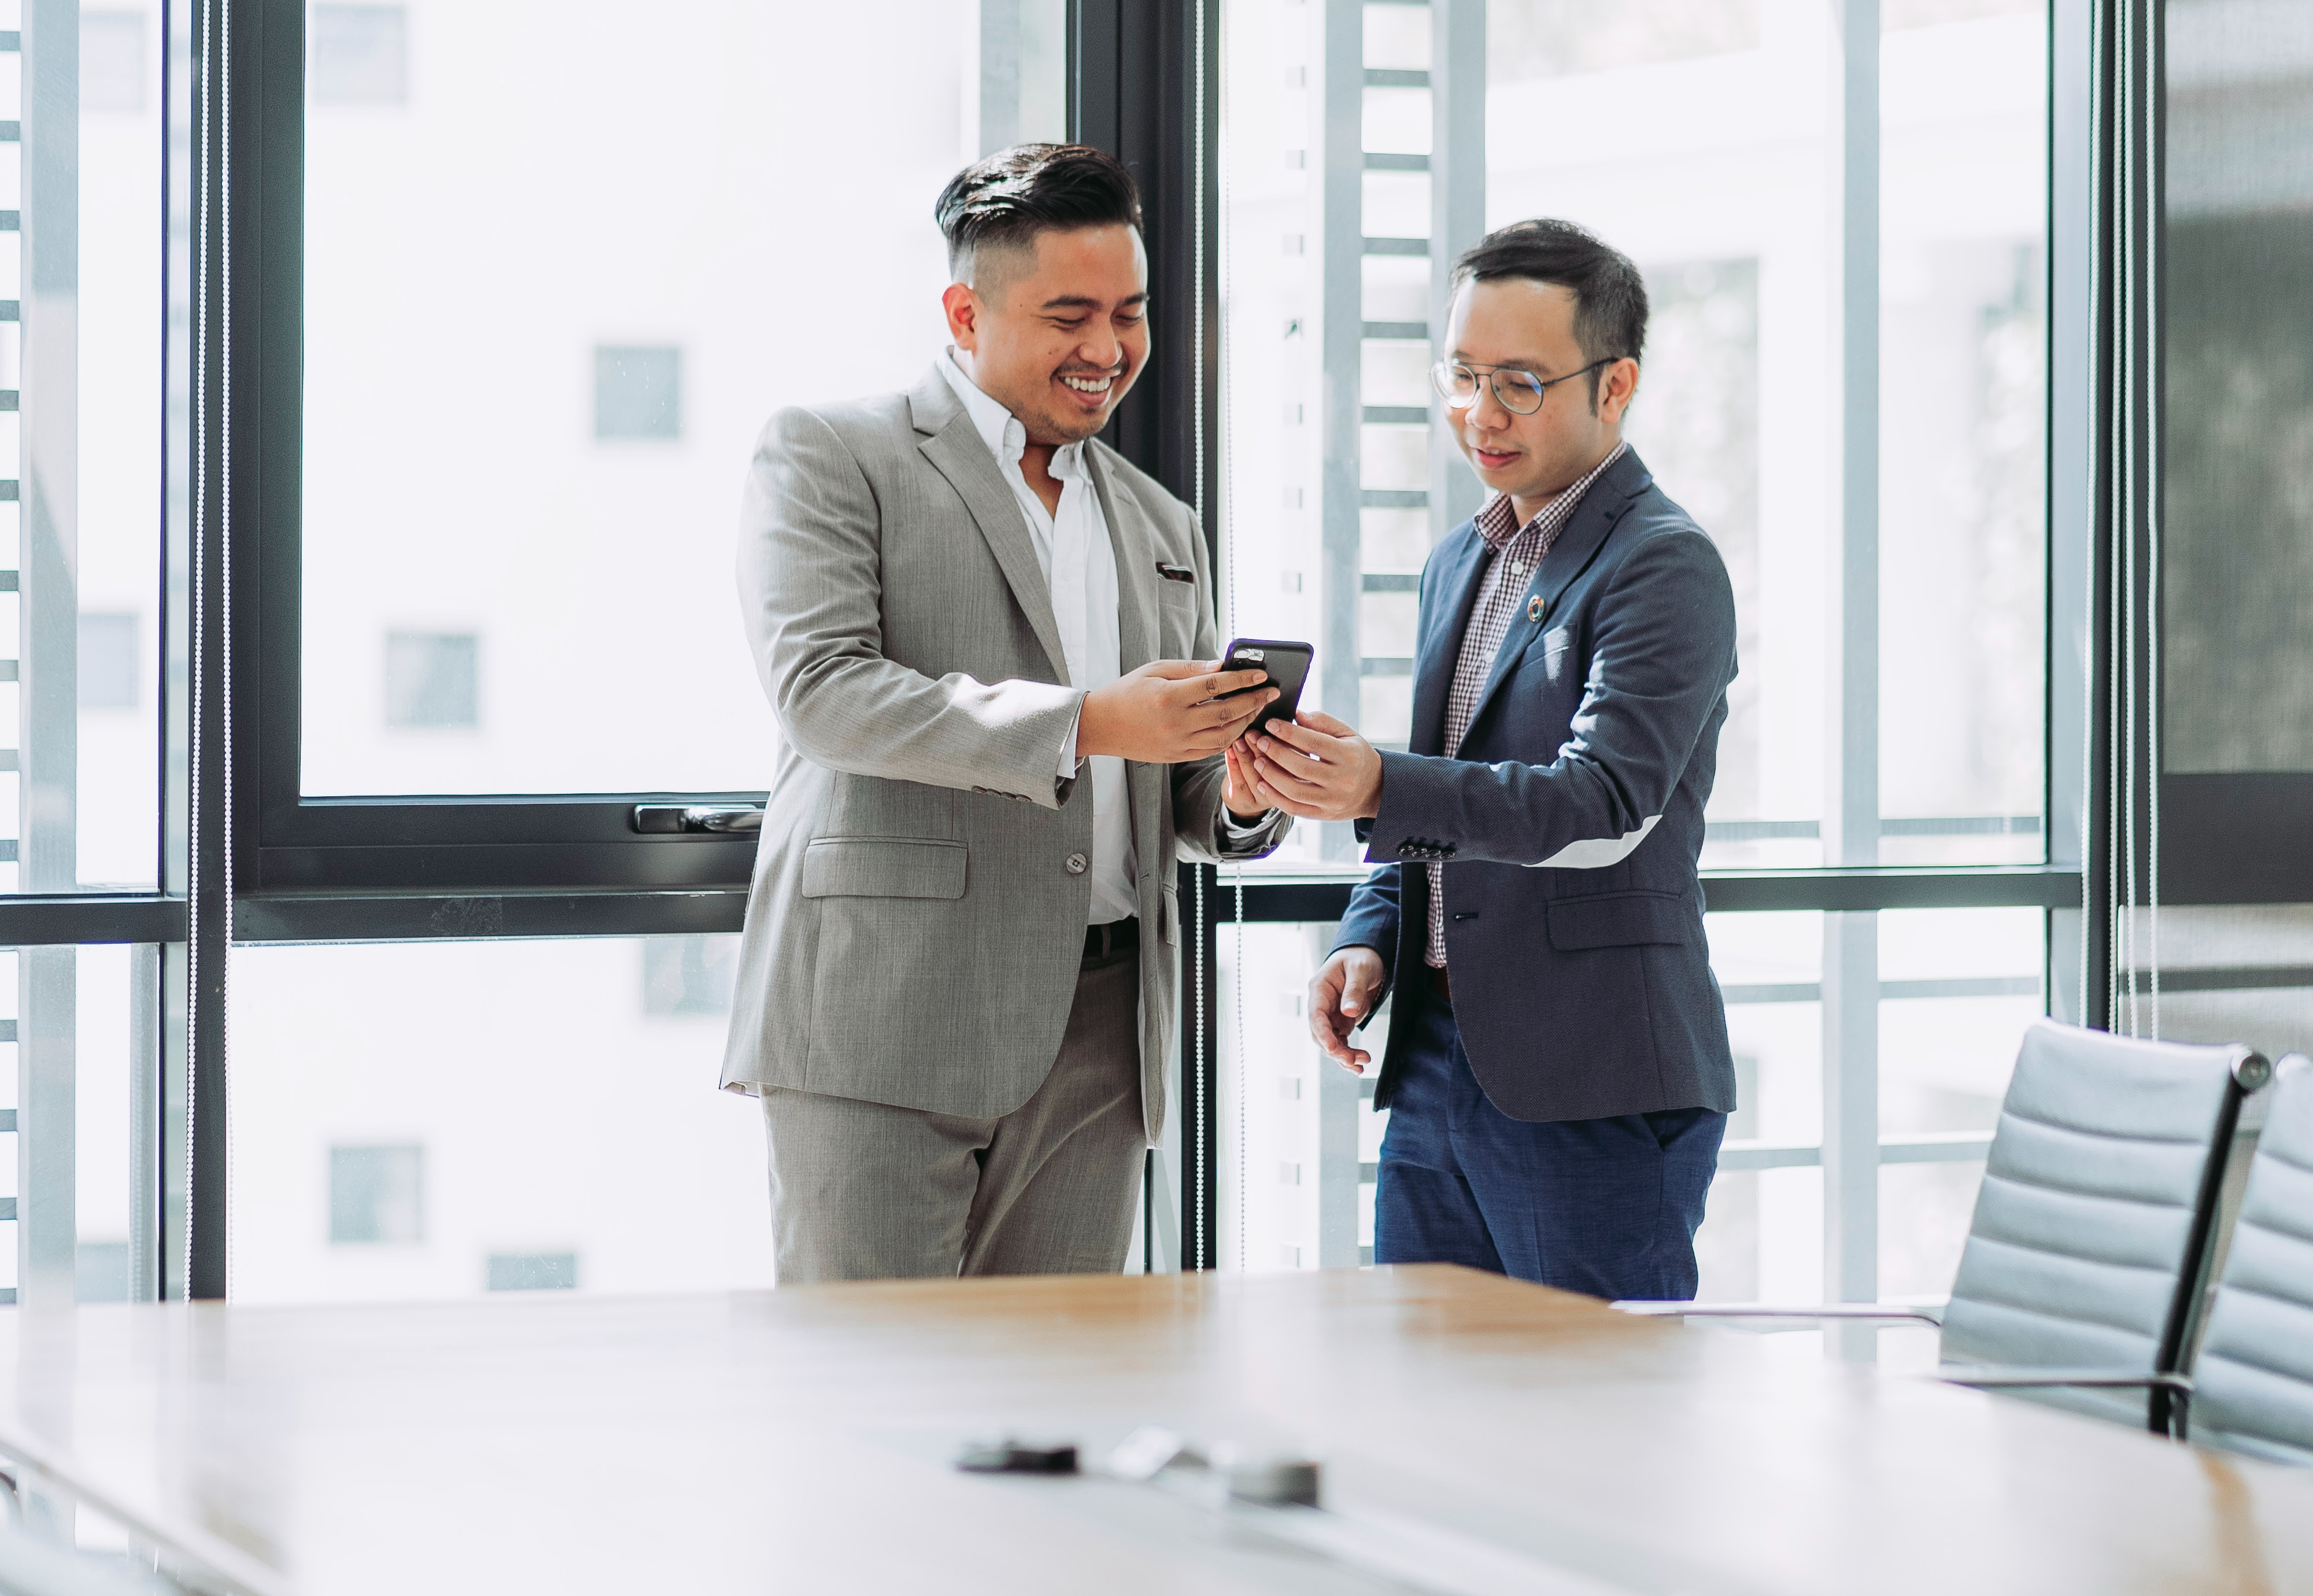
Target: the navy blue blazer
(1570, 824)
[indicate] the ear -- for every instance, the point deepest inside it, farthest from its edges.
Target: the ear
(1619, 384)
(962, 308)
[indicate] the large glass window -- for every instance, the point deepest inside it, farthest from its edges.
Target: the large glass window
(1299, 1139)
(90, 365)
(561, 263)
(80, 1091)
(1700, 138)
(1840, 297)
(447, 1118)
(81, 343)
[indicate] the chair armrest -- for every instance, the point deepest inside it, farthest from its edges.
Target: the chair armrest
(1990, 1378)
(2172, 1421)
(1930, 1313)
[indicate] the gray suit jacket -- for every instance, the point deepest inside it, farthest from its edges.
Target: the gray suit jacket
(915, 925)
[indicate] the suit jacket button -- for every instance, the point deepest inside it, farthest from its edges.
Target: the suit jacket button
(1076, 864)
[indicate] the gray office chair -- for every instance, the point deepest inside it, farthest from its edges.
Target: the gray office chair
(2086, 1262)
(2253, 1386)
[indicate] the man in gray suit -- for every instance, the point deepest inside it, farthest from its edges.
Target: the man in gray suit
(988, 641)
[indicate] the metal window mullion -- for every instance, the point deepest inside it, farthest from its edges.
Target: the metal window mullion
(1851, 997)
(1337, 242)
(144, 1121)
(2073, 976)
(2155, 92)
(2126, 36)
(195, 1191)
(159, 1138)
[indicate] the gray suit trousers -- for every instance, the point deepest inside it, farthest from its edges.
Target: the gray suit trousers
(867, 1191)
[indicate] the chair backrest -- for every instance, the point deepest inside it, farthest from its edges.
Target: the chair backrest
(2252, 1387)
(2090, 1243)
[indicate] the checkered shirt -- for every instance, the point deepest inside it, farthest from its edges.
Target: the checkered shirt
(1517, 551)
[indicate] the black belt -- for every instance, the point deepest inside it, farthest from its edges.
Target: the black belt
(1118, 936)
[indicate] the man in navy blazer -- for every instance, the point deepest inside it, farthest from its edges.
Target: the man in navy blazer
(1557, 1072)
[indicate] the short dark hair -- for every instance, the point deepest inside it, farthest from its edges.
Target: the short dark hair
(1003, 200)
(1610, 296)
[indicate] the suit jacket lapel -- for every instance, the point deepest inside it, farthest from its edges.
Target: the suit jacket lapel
(1459, 577)
(954, 447)
(1594, 517)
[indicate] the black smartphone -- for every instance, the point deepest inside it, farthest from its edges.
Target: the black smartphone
(1287, 665)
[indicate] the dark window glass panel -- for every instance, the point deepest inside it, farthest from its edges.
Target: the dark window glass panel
(2236, 973)
(2238, 567)
(377, 1194)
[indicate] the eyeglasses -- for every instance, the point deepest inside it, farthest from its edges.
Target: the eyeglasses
(1520, 393)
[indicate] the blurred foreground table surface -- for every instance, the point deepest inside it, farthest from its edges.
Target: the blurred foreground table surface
(1514, 1438)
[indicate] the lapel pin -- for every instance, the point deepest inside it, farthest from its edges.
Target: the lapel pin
(1535, 607)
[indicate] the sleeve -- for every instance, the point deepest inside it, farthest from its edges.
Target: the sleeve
(811, 593)
(1371, 921)
(1201, 822)
(1663, 653)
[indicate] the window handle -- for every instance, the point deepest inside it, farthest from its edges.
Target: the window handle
(664, 819)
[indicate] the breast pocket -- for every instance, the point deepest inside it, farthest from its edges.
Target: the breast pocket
(1557, 649)
(1179, 605)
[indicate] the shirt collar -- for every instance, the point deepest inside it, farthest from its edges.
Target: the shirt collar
(998, 428)
(1498, 523)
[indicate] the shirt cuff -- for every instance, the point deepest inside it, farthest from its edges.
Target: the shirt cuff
(1237, 831)
(1068, 760)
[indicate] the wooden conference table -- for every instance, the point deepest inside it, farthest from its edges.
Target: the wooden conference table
(1477, 1436)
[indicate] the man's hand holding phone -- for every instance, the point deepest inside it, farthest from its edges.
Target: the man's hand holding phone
(1313, 766)
(1170, 711)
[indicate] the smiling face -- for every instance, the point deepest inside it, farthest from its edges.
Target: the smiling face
(1056, 332)
(1518, 322)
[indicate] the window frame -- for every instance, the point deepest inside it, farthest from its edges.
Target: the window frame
(263, 862)
(2076, 661)
(331, 867)
(310, 868)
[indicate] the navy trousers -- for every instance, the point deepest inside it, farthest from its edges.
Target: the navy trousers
(1605, 1206)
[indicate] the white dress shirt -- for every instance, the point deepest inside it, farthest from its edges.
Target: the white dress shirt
(1079, 567)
